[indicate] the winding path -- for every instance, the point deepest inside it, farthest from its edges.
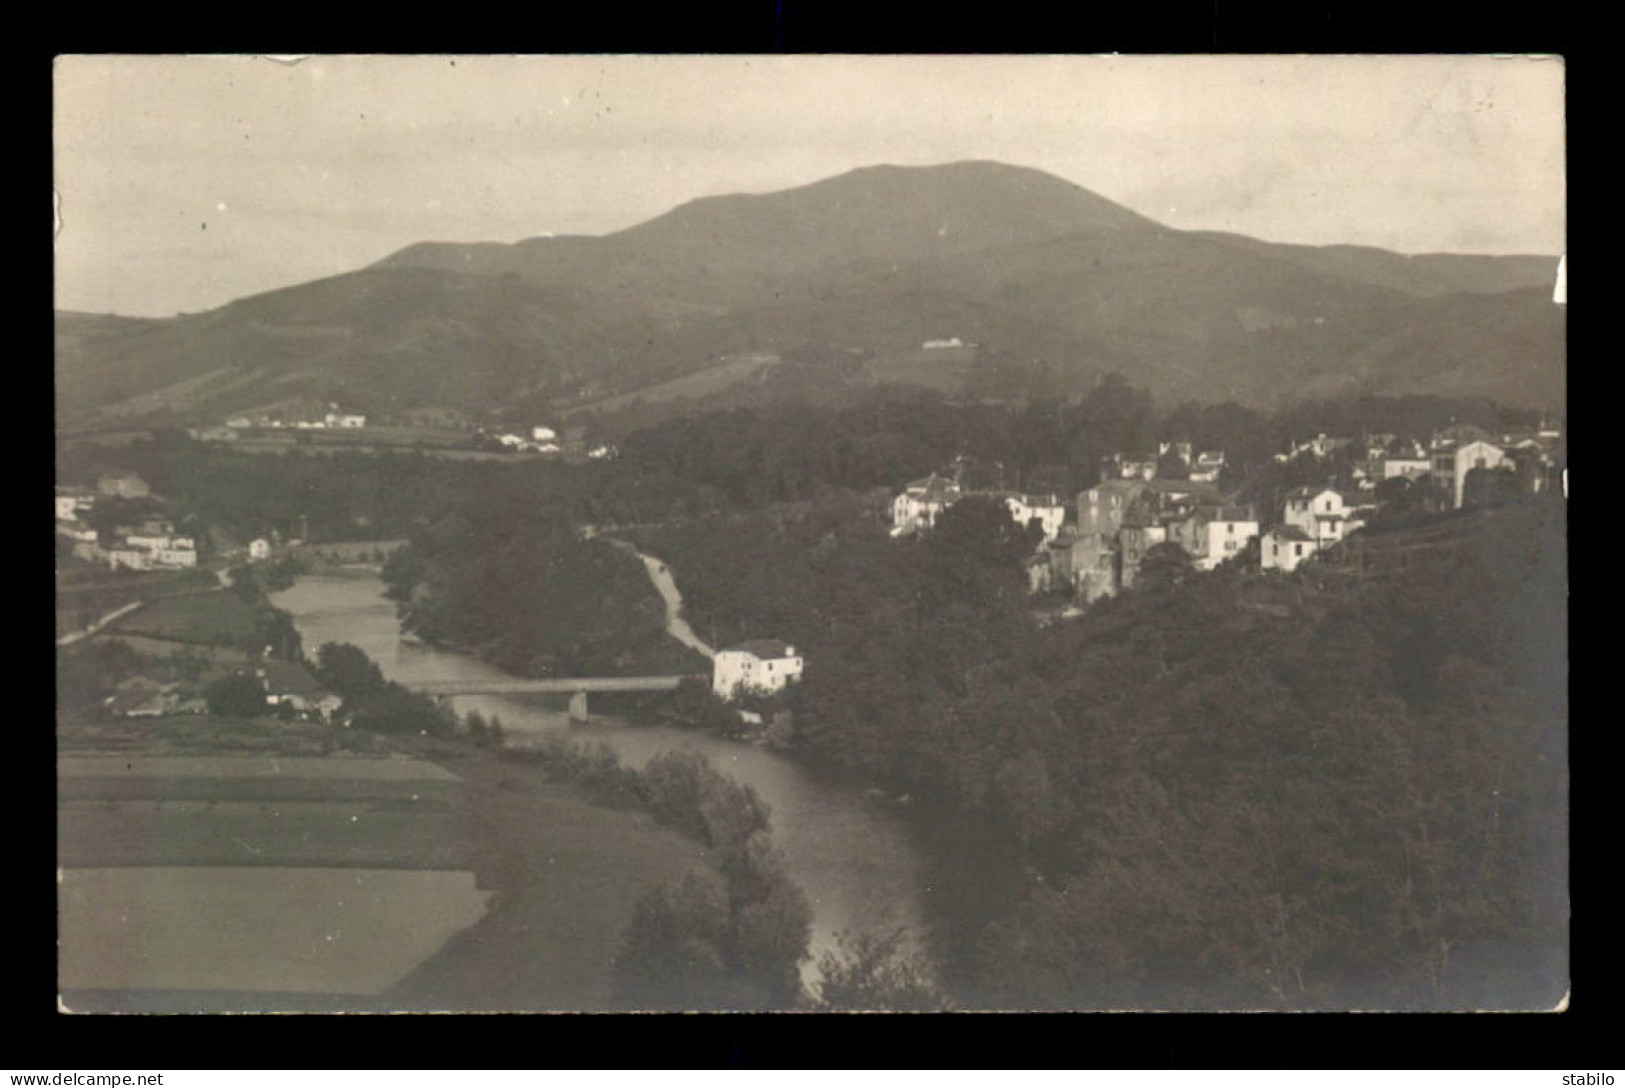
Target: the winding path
(676, 625)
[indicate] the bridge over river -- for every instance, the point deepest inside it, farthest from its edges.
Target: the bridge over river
(576, 687)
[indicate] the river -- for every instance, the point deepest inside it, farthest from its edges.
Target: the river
(854, 858)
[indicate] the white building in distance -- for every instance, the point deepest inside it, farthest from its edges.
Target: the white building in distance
(761, 666)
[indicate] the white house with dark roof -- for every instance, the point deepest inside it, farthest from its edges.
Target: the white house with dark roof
(1324, 514)
(922, 502)
(1284, 547)
(760, 666)
(1215, 533)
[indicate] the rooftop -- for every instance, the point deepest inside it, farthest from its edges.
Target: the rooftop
(764, 648)
(288, 678)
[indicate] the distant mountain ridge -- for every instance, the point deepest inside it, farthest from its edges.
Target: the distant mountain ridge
(871, 262)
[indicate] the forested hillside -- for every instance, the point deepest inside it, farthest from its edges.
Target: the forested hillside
(1194, 801)
(870, 264)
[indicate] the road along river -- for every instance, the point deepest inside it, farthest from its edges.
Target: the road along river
(854, 858)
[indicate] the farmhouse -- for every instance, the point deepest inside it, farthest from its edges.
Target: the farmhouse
(761, 665)
(289, 683)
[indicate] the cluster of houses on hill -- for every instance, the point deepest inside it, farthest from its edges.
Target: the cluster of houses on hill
(1095, 547)
(151, 544)
(1119, 521)
(922, 502)
(1202, 467)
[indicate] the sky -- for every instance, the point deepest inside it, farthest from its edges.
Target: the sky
(185, 182)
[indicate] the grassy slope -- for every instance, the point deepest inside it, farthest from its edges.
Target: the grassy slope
(565, 872)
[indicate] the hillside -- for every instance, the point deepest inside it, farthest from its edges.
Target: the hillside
(872, 263)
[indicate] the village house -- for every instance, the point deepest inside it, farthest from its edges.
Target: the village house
(123, 485)
(1325, 514)
(760, 666)
(1101, 508)
(179, 553)
(1322, 446)
(259, 549)
(123, 557)
(344, 420)
(1134, 539)
(1118, 466)
(1452, 461)
(543, 434)
(1284, 547)
(951, 342)
(1213, 534)
(290, 683)
(1094, 566)
(1178, 498)
(143, 697)
(1182, 450)
(922, 502)
(1412, 468)
(77, 533)
(1048, 510)
(73, 503)
(1207, 466)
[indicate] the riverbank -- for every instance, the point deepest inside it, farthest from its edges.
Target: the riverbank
(564, 875)
(854, 856)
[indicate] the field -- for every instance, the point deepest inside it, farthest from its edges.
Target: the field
(162, 647)
(703, 383)
(204, 618)
(276, 930)
(424, 875)
(444, 453)
(942, 369)
(85, 594)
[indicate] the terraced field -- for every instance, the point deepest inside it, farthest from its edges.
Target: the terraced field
(209, 864)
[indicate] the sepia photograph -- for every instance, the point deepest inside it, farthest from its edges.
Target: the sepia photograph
(810, 533)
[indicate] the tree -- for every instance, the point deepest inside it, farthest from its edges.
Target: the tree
(236, 696)
(672, 956)
(348, 671)
(875, 972)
